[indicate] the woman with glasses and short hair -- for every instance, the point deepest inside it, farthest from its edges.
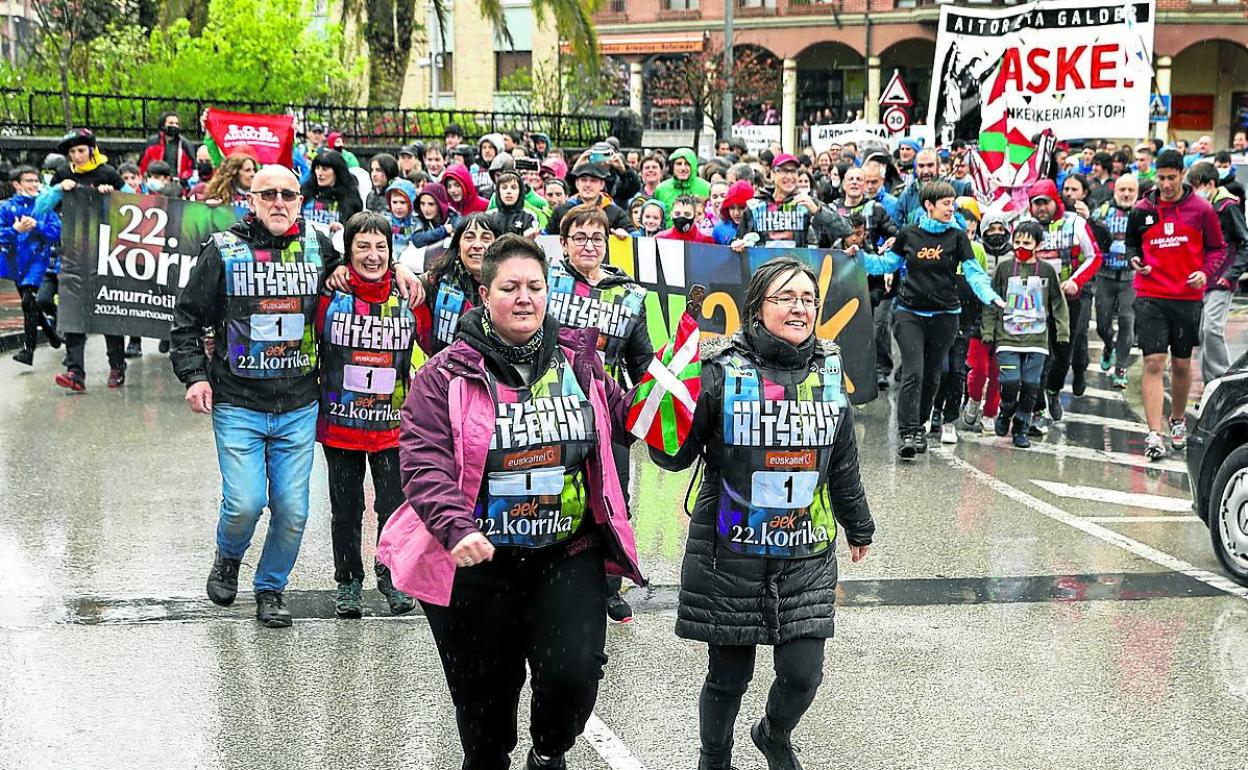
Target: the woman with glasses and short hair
(776, 433)
(585, 292)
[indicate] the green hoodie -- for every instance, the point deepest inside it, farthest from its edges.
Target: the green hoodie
(671, 189)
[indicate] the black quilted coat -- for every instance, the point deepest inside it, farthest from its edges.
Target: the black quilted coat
(727, 598)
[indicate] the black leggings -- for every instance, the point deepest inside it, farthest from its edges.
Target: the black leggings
(952, 380)
(539, 607)
(799, 672)
(346, 501)
(32, 316)
(1074, 353)
(924, 342)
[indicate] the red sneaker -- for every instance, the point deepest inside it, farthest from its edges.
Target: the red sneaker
(71, 381)
(116, 378)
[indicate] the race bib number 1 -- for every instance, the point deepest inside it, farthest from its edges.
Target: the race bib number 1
(368, 379)
(539, 482)
(278, 327)
(783, 489)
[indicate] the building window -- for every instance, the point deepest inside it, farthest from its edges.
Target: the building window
(446, 73)
(508, 63)
(757, 4)
(682, 5)
(615, 6)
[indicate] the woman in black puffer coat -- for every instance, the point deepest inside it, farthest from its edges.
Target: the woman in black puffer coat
(760, 564)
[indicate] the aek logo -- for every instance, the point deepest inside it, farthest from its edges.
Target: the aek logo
(930, 252)
(251, 135)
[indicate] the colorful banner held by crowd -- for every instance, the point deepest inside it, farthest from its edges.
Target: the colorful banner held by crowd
(125, 257)
(271, 137)
(1080, 67)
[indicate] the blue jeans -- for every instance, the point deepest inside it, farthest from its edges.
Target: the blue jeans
(265, 459)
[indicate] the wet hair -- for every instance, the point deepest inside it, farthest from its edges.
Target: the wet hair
(583, 214)
(367, 222)
(509, 246)
(1202, 173)
(1029, 227)
(764, 276)
(931, 192)
(389, 165)
(686, 200)
(1170, 159)
(479, 220)
(856, 219)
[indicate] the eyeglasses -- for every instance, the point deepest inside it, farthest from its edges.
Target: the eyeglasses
(580, 239)
(789, 301)
(271, 195)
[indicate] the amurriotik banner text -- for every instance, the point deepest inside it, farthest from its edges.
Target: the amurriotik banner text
(125, 257)
(1080, 67)
(667, 269)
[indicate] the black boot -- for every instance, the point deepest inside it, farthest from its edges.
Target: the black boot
(550, 763)
(223, 580)
(920, 441)
(776, 749)
(25, 356)
(271, 609)
(399, 602)
(710, 763)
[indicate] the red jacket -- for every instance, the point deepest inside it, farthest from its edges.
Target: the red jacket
(186, 158)
(1175, 239)
(693, 236)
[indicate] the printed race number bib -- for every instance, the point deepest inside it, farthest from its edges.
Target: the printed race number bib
(279, 327)
(783, 489)
(534, 483)
(368, 379)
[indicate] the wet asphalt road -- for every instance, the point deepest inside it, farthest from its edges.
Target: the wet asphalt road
(999, 622)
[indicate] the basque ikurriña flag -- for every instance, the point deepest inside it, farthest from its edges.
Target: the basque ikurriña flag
(662, 409)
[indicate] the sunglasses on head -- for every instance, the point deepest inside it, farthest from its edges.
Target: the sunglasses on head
(271, 195)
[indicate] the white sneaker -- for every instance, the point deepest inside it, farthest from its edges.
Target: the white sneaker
(1154, 446)
(971, 414)
(948, 433)
(1178, 433)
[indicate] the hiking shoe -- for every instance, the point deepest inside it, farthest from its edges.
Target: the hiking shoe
(1021, 440)
(1055, 404)
(25, 356)
(1038, 427)
(134, 349)
(534, 762)
(948, 433)
(971, 413)
(777, 750)
(906, 450)
(1178, 433)
(271, 609)
(1079, 382)
(348, 604)
(163, 347)
(619, 610)
(399, 602)
(116, 378)
(1154, 446)
(1107, 359)
(223, 580)
(1001, 424)
(72, 381)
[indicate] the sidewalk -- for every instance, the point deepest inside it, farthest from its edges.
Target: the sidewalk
(10, 318)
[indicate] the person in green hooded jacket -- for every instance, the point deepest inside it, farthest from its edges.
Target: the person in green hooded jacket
(683, 181)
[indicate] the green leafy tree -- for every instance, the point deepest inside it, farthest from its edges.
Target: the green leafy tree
(567, 88)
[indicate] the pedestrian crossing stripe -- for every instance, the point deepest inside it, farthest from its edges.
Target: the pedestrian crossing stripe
(1116, 496)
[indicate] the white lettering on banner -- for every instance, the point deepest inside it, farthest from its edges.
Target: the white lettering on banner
(386, 412)
(670, 253)
(148, 297)
(577, 312)
(139, 262)
(784, 423)
(371, 332)
(253, 135)
(757, 138)
(547, 420)
(793, 220)
(274, 279)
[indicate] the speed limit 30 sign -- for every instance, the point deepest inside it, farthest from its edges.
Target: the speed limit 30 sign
(896, 119)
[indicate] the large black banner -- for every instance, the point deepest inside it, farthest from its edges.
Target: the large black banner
(125, 257)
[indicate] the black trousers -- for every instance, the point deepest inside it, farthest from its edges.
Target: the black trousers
(924, 342)
(76, 345)
(1076, 351)
(799, 672)
(346, 502)
(32, 317)
(47, 294)
(620, 452)
(952, 380)
(546, 609)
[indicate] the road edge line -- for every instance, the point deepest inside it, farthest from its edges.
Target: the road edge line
(609, 746)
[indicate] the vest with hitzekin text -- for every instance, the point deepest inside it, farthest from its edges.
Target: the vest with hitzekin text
(449, 304)
(366, 358)
(777, 447)
(535, 491)
(321, 212)
(270, 306)
(781, 225)
(1115, 220)
(1061, 245)
(615, 311)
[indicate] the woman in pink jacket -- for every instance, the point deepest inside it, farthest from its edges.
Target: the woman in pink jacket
(514, 512)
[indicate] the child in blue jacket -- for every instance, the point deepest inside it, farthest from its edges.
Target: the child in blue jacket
(27, 246)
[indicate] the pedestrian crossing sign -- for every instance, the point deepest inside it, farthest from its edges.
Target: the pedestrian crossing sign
(1159, 108)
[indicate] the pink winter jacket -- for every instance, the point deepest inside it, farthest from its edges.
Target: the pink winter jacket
(447, 424)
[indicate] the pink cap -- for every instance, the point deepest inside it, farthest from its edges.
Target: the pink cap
(784, 158)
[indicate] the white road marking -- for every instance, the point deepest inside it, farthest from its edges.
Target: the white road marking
(1062, 451)
(609, 746)
(1130, 426)
(1108, 395)
(1129, 545)
(1115, 497)
(1144, 519)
